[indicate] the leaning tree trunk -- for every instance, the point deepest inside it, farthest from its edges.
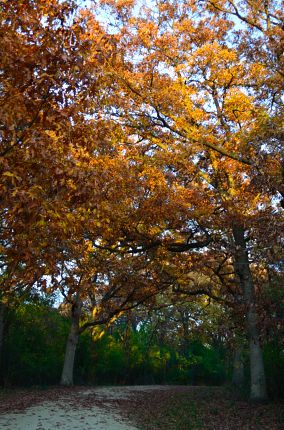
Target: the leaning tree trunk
(258, 383)
(72, 341)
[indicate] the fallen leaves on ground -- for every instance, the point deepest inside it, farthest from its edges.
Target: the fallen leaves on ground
(204, 408)
(15, 400)
(168, 408)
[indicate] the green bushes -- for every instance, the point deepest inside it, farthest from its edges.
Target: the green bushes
(34, 347)
(140, 360)
(274, 363)
(35, 343)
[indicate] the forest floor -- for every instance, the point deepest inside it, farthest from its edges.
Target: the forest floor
(135, 408)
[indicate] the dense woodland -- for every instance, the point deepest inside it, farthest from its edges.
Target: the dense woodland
(142, 193)
(157, 347)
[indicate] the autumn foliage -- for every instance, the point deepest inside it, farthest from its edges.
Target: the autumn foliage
(141, 150)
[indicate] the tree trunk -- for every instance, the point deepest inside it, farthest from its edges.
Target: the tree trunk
(238, 377)
(258, 383)
(2, 326)
(72, 341)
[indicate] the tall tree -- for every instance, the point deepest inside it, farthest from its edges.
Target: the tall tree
(203, 95)
(158, 135)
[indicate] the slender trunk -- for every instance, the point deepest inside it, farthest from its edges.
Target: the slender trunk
(72, 341)
(238, 378)
(2, 325)
(2, 314)
(258, 383)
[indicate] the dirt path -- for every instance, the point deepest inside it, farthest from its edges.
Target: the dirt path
(89, 409)
(151, 407)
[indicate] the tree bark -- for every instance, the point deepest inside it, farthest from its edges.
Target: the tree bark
(71, 345)
(2, 326)
(242, 267)
(238, 377)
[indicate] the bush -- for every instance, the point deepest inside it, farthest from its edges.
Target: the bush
(34, 345)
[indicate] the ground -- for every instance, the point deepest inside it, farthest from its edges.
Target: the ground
(67, 409)
(135, 408)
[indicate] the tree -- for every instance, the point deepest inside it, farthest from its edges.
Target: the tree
(99, 290)
(52, 70)
(123, 148)
(203, 97)
(57, 152)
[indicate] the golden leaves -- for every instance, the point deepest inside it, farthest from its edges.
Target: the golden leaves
(115, 140)
(218, 65)
(239, 107)
(147, 32)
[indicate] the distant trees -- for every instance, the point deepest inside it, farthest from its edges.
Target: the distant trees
(34, 351)
(140, 347)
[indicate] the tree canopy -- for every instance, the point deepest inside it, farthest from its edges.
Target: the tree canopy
(141, 150)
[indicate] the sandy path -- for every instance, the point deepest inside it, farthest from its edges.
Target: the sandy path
(86, 410)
